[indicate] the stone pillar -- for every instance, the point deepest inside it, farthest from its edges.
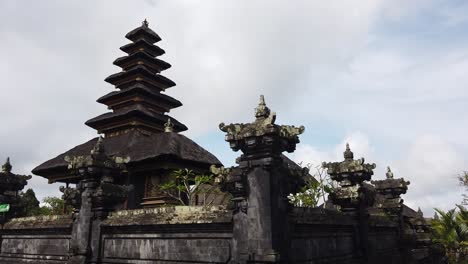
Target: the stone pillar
(389, 193)
(353, 195)
(260, 185)
(94, 197)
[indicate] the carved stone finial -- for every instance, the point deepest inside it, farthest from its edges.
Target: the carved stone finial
(389, 173)
(6, 168)
(99, 147)
(348, 154)
(262, 111)
(145, 23)
(420, 213)
(168, 126)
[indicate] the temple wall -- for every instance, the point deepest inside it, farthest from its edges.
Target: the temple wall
(325, 236)
(178, 234)
(197, 235)
(43, 239)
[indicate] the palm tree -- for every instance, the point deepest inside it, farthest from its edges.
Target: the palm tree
(451, 230)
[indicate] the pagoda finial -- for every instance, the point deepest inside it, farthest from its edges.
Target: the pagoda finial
(145, 23)
(348, 154)
(6, 168)
(389, 173)
(262, 111)
(168, 126)
(436, 216)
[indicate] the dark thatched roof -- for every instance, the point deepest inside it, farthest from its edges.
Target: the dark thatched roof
(143, 32)
(139, 147)
(141, 89)
(134, 111)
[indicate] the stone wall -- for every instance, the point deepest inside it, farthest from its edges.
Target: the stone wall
(43, 239)
(177, 234)
(183, 234)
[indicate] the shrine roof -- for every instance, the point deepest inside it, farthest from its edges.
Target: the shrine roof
(139, 147)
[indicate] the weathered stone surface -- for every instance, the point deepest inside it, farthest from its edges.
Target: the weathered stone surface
(39, 222)
(201, 248)
(170, 215)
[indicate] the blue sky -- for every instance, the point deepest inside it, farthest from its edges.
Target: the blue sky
(387, 76)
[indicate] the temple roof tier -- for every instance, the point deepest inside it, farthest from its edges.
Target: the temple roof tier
(142, 45)
(142, 58)
(139, 93)
(138, 146)
(139, 74)
(143, 32)
(135, 115)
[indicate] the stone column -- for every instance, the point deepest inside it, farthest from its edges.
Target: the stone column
(94, 197)
(260, 185)
(389, 193)
(353, 195)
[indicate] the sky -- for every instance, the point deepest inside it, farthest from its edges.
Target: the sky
(389, 77)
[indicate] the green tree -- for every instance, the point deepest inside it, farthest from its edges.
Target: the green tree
(451, 230)
(53, 206)
(185, 186)
(30, 203)
(317, 188)
(463, 179)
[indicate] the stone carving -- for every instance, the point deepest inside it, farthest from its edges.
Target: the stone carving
(94, 197)
(261, 130)
(389, 192)
(350, 174)
(71, 196)
(389, 173)
(168, 126)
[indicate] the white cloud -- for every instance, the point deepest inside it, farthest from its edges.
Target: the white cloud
(319, 63)
(429, 163)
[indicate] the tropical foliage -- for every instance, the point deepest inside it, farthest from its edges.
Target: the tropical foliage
(185, 185)
(50, 205)
(451, 230)
(317, 188)
(463, 179)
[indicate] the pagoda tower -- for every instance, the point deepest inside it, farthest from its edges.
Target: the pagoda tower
(138, 127)
(138, 103)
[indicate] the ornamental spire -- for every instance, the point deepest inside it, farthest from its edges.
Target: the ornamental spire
(348, 154)
(389, 173)
(168, 126)
(145, 23)
(6, 168)
(262, 111)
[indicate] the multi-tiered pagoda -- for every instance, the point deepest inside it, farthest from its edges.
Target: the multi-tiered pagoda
(138, 103)
(138, 126)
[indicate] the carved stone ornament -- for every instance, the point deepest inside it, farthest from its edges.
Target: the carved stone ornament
(240, 135)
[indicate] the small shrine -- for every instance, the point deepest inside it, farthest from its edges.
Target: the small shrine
(389, 193)
(351, 175)
(138, 126)
(10, 186)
